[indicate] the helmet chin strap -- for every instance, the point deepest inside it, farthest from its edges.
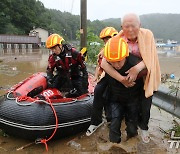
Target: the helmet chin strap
(61, 48)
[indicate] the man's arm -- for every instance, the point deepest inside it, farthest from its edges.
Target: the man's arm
(134, 71)
(50, 67)
(82, 63)
(50, 70)
(113, 73)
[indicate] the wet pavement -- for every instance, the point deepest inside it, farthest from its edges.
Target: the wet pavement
(17, 65)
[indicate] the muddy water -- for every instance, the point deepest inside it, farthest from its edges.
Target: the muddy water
(17, 65)
(170, 62)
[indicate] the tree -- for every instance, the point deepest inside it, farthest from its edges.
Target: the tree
(94, 45)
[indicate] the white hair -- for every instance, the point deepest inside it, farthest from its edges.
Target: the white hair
(130, 14)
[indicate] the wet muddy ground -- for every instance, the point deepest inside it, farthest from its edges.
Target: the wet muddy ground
(16, 66)
(98, 142)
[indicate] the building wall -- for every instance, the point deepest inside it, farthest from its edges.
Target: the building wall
(43, 34)
(13, 39)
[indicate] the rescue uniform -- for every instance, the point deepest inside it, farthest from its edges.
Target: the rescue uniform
(124, 102)
(99, 102)
(70, 68)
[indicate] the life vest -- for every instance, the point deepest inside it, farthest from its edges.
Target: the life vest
(69, 62)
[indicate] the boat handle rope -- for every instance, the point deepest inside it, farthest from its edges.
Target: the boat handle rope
(24, 98)
(7, 96)
(28, 104)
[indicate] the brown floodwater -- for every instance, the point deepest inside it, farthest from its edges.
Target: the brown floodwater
(170, 62)
(16, 65)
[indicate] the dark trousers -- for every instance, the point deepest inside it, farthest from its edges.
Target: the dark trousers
(119, 110)
(77, 86)
(99, 102)
(144, 111)
(61, 82)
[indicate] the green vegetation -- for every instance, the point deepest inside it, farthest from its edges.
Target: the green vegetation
(94, 45)
(176, 128)
(20, 16)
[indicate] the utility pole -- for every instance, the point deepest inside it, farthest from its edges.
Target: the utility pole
(83, 28)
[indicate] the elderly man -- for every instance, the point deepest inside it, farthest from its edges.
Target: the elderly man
(141, 44)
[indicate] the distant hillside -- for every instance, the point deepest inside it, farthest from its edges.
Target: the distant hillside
(20, 16)
(116, 21)
(166, 26)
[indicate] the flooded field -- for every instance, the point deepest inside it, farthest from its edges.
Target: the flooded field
(15, 66)
(170, 62)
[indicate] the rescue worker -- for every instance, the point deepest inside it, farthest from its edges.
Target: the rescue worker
(141, 44)
(70, 67)
(99, 102)
(124, 101)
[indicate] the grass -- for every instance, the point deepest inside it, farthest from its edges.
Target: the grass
(176, 128)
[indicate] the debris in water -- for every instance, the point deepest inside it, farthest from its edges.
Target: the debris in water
(112, 147)
(3, 148)
(74, 145)
(14, 68)
(172, 76)
(25, 146)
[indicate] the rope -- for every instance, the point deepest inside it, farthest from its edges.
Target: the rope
(44, 141)
(34, 100)
(25, 98)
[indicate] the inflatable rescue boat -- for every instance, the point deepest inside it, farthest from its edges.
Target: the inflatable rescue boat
(24, 115)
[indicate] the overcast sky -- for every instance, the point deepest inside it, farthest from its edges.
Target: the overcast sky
(104, 9)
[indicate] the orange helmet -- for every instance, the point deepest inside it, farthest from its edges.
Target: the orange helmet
(108, 31)
(53, 39)
(116, 49)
